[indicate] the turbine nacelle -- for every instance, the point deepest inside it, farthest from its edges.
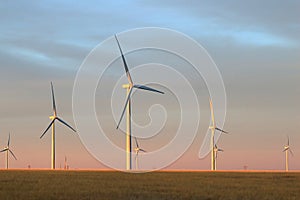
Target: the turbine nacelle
(216, 149)
(5, 149)
(127, 86)
(137, 150)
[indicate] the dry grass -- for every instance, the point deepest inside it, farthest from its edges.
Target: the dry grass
(156, 185)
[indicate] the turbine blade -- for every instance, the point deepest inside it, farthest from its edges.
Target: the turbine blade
(47, 128)
(221, 130)
(212, 112)
(8, 141)
(137, 145)
(65, 123)
(12, 154)
(291, 152)
(3, 150)
(220, 150)
(284, 150)
(53, 100)
(288, 143)
(143, 150)
(126, 102)
(124, 62)
(143, 87)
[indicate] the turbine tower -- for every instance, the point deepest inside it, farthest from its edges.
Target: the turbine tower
(129, 87)
(287, 149)
(213, 128)
(8, 150)
(137, 150)
(216, 150)
(52, 123)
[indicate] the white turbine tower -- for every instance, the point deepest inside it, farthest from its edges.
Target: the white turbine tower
(213, 128)
(8, 150)
(137, 150)
(216, 150)
(287, 149)
(127, 107)
(52, 123)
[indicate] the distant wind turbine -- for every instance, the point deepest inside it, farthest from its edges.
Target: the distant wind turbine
(287, 149)
(66, 165)
(127, 107)
(137, 150)
(52, 123)
(216, 150)
(213, 128)
(8, 150)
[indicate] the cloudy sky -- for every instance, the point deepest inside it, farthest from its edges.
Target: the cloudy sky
(255, 44)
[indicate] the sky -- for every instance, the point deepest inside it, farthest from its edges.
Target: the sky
(255, 44)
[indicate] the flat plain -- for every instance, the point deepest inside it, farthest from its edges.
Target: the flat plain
(60, 184)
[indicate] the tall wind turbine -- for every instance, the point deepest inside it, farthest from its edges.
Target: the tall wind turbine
(8, 150)
(287, 149)
(52, 123)
(213, 128)
(137, 150)
(129, 87)
(216, 150)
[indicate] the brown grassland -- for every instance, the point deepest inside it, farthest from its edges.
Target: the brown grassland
(44, 184)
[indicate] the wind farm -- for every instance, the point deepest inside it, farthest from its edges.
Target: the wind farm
(108, 183)
(101, 183)
(148, 100)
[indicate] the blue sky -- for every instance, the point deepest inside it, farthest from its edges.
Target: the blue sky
(255, 44)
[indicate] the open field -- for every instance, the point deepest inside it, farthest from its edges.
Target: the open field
(17, 184)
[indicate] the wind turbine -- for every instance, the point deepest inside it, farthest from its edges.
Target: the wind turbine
(137, 150)
(66, 165)
(129, 87)
(52, 123)
(216, 150)
(8, 150)
(213, 128)
(287, 149)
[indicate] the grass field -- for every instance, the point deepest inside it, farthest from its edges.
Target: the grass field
(157, 185)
